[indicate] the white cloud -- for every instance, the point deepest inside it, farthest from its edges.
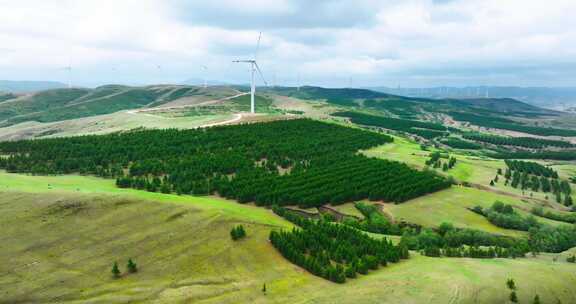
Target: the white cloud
(380, 42)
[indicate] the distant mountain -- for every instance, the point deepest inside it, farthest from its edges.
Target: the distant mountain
(28, 86)
(407, 105)
(200, 82)
(554, 98)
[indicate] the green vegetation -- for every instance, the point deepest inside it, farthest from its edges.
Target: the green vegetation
(503, 215)
(507, 124)
(242, 103)
(64, 104)
(531, 168)
(449, 241)
(373, 221)
(237, 233)
(183, 244)
(335, 252)
(561, 217)
(131, 266)
(115, 270)
(555, 155)
(6, 96)
(320, 157)
(525, 142)
(460, 144)
(424, 129)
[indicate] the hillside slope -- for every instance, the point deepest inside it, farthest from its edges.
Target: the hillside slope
(64, 104)
(61, 235)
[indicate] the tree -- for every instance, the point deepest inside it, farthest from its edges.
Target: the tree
(115, 270)
(132, 268)
(492, 183)
(237, 232)
(536, 300)
(513, 297)
(511, 285)
(568, 201)
(264, 288)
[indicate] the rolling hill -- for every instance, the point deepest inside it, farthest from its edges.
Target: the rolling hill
(168, 198)
(64, 104)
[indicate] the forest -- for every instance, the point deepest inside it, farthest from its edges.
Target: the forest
(531, 168)
(525, 142)
(335, 252)
(507, 124)
(426, 130)
(542, 154)
(302, 162)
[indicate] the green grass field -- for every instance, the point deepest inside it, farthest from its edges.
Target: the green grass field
(451, 206)
(61, 234)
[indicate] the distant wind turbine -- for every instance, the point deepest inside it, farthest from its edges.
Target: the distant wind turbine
(205, 68)
(253, 69)
(69, 72)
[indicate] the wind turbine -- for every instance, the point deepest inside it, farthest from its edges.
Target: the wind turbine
(205, 68)
(68, 69)
(253, 69)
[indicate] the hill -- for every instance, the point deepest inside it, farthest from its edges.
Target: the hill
(348, 96)
(62, 233)
(65, 104)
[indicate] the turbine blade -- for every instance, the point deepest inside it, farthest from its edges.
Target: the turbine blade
(260, 73)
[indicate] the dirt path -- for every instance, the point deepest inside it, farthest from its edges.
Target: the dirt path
(237, 117)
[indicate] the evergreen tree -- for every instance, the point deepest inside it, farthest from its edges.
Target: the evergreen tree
(115, 270)
(513, 297)
(131, 266)
(511, 284)
(536, 300)
(264, 288)
(568, 201)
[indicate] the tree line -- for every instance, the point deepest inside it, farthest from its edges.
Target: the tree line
(426, 130)
(541, 237)
(436, 163)
(504, 216)
(302, 162)
(449, 241)
(460, 144)
(335, 252)
(497, 122)
(531, 168)
(525, 142)
(542, 154)
(535, 177)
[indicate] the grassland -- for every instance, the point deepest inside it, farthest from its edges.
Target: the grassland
(60, 235)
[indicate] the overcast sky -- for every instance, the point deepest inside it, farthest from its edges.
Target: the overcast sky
(331, 43)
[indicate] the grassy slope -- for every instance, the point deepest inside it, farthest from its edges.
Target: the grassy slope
(61, 233)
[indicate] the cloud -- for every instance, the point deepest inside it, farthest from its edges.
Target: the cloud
(376, 42)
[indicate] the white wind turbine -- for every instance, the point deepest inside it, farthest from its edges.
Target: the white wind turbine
(253, 69)
(68, 70)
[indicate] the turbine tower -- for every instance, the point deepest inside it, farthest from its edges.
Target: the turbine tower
(253, 69)
(205, 68)
(68, 69)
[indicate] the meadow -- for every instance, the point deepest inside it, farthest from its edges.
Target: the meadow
(61, 235)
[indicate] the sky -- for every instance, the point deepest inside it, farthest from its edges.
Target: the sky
(340, 43)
